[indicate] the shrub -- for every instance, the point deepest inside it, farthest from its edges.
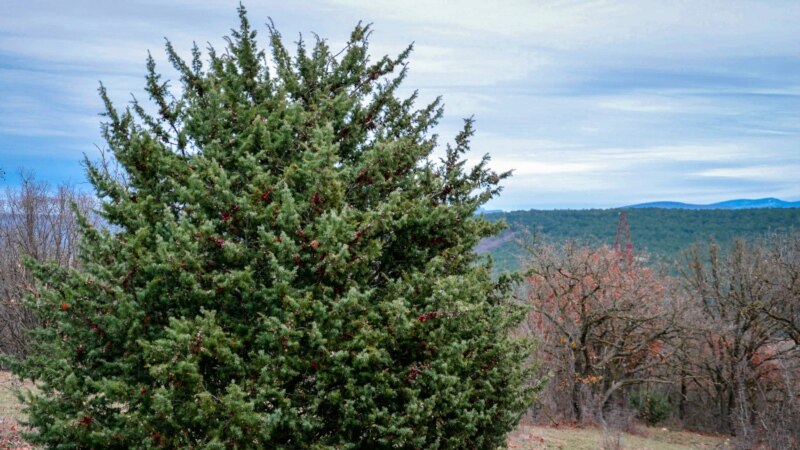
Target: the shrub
(652, 406)
(284, 267)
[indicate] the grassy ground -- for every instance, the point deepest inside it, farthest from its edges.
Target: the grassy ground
(9, 406)
(525, 438)
(645, 438)
(10, 411)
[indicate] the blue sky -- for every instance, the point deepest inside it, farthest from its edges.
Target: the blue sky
(592, 103)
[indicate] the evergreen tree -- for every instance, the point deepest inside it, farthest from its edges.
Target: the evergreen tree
(284, 266)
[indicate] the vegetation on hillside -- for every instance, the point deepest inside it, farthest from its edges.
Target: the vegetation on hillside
(716, 348)
(662, 234)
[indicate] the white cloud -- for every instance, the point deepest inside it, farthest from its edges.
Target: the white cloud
(676, 153)
(522, 168)
(471, 65)
(688, 28)
(25, 116)
(663, 102)
(753, 172)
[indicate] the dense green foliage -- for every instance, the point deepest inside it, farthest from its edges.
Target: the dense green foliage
(284, 268)
(651, 405)
(661, 233)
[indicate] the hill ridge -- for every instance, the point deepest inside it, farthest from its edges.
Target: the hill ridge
(741, 203)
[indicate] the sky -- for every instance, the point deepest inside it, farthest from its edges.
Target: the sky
(593, 104)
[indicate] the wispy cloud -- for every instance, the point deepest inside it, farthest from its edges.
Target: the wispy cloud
(775, 173)
(593, 103)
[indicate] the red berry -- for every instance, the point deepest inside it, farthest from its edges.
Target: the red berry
(86, 420)
(412, 375)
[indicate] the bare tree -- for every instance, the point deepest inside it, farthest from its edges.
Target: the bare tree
(36, 223)
(602, 321)
(784, 252)
(742, 356)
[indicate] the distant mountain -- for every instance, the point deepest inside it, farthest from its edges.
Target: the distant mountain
(729, 204)
(488, 211)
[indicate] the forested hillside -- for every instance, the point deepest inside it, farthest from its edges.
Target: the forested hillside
(662, 233)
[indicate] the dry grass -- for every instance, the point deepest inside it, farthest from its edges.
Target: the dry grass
(10, 412)
(573, 438)
(9, 405)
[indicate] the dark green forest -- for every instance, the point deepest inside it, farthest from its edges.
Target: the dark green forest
(662, 234)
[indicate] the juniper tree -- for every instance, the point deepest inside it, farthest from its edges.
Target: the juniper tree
(285, 265)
